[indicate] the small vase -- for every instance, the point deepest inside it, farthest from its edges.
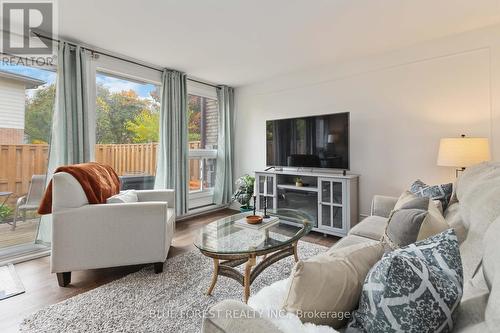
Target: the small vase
(299, 184)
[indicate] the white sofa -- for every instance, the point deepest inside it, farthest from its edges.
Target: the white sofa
(107, 235)
(475, 216)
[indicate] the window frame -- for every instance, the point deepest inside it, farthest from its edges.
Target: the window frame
(204, 197)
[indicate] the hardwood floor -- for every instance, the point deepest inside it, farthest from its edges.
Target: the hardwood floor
(42, 289)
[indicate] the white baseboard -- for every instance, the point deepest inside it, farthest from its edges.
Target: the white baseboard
(201, 211)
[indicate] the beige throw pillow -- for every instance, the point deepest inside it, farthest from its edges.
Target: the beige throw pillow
(433, 224)
(324, 289)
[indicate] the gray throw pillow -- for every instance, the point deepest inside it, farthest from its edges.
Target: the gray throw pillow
(403, 228)
(413, 289)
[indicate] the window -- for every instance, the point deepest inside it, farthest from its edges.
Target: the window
(203, 132)
(27, 96)
(127, 128)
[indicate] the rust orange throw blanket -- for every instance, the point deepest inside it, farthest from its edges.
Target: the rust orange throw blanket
(98, 181)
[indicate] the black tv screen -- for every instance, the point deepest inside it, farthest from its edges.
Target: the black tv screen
(314, 142)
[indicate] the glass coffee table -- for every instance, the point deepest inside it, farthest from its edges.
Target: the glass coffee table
(231, 244)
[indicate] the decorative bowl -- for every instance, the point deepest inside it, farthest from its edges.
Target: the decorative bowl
(254, 219)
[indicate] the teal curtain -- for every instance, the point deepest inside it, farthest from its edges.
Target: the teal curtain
(73, 127)
(172, 156)
(224, 171)
(73, 131)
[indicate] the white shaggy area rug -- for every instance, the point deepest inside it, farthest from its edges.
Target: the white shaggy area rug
(173, 301)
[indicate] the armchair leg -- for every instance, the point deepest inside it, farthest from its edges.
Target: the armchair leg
(63, 279)
(158, 267)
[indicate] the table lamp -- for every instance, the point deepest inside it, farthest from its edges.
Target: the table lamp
(463, 152)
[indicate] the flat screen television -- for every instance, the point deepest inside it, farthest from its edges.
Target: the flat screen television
(314, 142)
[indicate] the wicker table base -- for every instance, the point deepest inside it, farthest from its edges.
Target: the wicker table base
(224, 264)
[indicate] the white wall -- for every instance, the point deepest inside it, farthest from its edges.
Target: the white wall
(401, 104)
(12, 101)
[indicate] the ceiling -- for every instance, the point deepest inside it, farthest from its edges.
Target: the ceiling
(239, 42)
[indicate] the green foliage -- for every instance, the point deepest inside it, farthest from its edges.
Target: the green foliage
(121, 117)
(38, 118)
(145, 126)
(115, 111)
(244, 190)
(5, 212)
(194, 137)
(194, 117)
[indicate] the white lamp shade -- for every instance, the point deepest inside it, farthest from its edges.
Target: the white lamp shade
(463, 152)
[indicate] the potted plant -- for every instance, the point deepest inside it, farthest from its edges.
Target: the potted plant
(298, 182)
(244, 192)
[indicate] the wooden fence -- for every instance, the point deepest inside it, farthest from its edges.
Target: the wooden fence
(128, 159)
(19, 162)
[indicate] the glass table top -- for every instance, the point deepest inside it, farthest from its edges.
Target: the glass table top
(230, 236)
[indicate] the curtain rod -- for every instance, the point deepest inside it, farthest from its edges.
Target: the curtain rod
(119, 58)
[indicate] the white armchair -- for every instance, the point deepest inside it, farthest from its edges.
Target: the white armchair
(107, 235)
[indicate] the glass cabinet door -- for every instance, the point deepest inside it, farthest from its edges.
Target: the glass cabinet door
(326, 190)
(266, 191)
(261, 180)
(336, 192)
(337, 217)
(270, 185)
(331, 208)
(326, 216)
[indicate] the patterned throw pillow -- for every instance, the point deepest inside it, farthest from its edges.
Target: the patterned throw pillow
(441, 192)
(413, 289)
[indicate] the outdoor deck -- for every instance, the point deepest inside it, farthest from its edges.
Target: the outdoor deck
(25, 232)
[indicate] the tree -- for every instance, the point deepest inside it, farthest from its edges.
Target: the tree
(114, 110)
(145, 126)
(121, 117)
(194, 117)
(38, 117)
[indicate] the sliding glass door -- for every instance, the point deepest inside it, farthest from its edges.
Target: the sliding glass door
(27, 96)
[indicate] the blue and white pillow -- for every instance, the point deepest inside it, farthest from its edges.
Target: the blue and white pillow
(441, 192)
(416, 288)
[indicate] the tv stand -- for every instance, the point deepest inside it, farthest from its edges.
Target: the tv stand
(331, 199)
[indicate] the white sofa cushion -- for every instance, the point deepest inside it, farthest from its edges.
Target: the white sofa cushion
(454, 220)
(123, 197)
(491, 270)
(351, 240)
(478, 191)
(372, 227)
